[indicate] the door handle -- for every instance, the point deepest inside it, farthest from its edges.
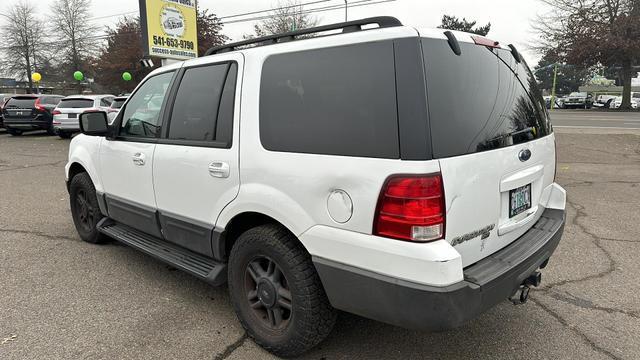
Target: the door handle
(138, 159)
(219, 169)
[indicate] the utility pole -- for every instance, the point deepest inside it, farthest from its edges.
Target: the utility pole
(346, 5)
(553, 88)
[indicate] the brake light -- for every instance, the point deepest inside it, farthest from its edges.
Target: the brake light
(56, 112)
(411, 207)
(38, 106)
(481, 40)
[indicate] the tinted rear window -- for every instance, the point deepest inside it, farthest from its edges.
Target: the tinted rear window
(75, 103)
(21, 103)
(336, 101)
(481, 100)
(117, 104)
(50, 100)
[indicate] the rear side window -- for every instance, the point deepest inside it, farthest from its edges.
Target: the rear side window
(480, 100)
(335, 101)
(199, 105)
(117, 104)
(21, 103)
(106, 101)
(75, 103)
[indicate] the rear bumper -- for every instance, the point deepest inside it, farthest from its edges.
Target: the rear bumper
(36, 124)
(418, 306)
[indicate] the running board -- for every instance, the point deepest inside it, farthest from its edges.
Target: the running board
(198, 265)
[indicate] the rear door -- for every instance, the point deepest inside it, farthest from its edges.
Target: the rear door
(195, 169)
(20, 108)
(490, 132)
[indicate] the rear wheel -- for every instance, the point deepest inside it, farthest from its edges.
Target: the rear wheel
(14, 132)
(84, 208)
(64, 134)
(277, 293)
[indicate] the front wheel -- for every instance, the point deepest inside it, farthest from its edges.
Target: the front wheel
(277, 293)
(85, 209)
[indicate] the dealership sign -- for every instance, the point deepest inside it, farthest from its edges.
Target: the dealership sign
(169, 28)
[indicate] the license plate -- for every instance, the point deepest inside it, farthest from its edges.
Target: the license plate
(519, 200)
(72, 116)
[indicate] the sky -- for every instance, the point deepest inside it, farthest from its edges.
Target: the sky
(510, 20)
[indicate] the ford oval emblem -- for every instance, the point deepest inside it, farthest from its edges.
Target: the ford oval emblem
(524, 155)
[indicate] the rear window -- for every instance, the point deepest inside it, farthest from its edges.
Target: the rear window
(21, 103)
(50, 100)
(117, 104)
(480, 100)
(75, 103)
(335, 101)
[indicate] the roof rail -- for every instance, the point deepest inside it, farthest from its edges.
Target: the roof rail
(349, 26)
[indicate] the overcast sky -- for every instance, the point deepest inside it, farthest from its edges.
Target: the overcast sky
(510, 20)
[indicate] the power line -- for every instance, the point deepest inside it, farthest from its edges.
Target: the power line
(257, 18)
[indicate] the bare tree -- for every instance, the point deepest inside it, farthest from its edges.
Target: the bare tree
(593, 32)
(289, 15)
(24, 36)
(71, 19)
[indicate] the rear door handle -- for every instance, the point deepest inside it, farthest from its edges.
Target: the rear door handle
(138, 159)
(219, 169)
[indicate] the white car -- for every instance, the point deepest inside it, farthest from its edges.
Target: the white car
(617, 102)
(65, 115)
(333, 172)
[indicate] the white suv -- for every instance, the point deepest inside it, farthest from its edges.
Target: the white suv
(333, 172)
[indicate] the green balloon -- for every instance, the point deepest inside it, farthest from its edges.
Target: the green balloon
(78, 75)
(126, 76)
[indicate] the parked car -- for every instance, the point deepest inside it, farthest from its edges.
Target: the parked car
(3, 100)
(65, 115)
(30, 112)
(309, 175)
(617, 102)
(547, 102)
(115, 107)
(604, 101)
(578, 100)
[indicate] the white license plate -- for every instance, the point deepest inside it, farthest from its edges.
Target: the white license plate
(519, 200)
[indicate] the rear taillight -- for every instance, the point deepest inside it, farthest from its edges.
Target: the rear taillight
(411, 207)
(56, 112)
(38, 106)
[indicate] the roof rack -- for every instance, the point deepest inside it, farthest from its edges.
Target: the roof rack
(349, 26)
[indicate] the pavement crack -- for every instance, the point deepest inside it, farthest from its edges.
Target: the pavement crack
(570, 299)
(231, 348)
(33, 166)
(580, 213)
(573, 329)
(37, 233)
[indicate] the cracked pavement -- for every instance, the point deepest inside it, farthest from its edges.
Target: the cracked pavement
(62, 298)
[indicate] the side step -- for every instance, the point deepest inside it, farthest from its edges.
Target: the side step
(201, 266)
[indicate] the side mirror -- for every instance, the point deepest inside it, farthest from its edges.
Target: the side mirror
(94, 123)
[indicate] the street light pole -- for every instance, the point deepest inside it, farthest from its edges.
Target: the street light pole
(345, 10)
(553, 88)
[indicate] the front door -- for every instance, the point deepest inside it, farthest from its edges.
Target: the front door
(196, 162)
(127, 161)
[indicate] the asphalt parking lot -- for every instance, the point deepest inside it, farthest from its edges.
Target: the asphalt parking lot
(61, 298)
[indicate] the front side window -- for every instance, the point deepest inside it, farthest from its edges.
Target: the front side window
(141, 116)
(197, 107)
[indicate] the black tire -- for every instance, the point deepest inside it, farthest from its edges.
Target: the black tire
(85, 209)
(14, 132)
(271, 259)
(51, 131)
(64, 135)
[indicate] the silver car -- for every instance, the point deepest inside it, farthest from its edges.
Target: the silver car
(65, 115)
